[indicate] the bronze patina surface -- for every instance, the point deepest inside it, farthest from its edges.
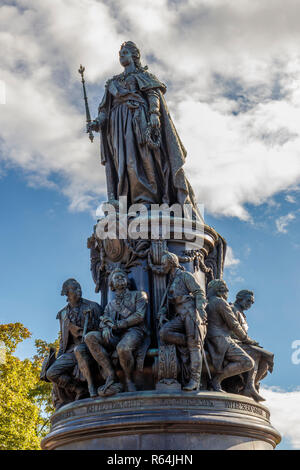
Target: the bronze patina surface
(166, 361)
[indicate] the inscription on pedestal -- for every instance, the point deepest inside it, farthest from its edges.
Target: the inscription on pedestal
(62, 416)
(237, 405)
(164, 403)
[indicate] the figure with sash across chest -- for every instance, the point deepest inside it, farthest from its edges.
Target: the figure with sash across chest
(122, 330)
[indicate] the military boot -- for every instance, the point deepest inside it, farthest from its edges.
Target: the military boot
(250, 390)
(196, 366)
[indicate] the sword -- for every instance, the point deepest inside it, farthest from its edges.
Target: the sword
(204, 353)
(164, 296)
(87, 111)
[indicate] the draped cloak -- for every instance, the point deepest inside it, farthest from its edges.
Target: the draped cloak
(170, 156)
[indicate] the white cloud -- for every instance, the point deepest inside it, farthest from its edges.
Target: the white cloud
(284, 407)
(233, 73)
(290, 199)
(2, 92)
(230, 260)
(283, 221)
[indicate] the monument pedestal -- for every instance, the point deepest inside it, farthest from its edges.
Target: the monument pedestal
(157, 420)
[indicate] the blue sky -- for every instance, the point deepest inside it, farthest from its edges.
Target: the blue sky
(233, 74)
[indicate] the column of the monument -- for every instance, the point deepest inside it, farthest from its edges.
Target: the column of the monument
(158, 280)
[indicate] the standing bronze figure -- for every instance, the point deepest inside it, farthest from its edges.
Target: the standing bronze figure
(187, 328)
(140, 147)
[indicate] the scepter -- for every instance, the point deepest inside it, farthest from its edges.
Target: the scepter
(87, 111)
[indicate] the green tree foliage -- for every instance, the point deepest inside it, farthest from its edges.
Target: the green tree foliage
(25, 401)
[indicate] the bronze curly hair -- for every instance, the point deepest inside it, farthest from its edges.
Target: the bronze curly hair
(214, 286)
(173, 259)
(136, 54)
(243, 293)
(73, 285)
(110, 278)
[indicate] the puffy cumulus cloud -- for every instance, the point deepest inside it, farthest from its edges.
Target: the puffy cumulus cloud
(238, 159)
(285, 411)
(233, 72)
(41, 128)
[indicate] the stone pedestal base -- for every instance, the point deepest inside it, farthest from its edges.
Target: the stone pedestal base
(163, 421)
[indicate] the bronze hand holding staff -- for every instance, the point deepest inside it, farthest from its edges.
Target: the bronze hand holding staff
(87, 110)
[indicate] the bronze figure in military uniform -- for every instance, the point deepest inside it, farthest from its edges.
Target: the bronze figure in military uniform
(263, 360)
(122, 329)
(187, 328)
(227, 356)
(73, 357)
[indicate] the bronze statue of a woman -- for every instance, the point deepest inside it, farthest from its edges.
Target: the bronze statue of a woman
(140, 147)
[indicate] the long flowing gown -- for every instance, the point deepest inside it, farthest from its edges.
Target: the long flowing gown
(133, 168)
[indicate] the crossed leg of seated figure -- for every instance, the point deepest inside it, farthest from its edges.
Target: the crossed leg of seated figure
(254, 376)
(100, 350)
(60, 373)
(238, 362)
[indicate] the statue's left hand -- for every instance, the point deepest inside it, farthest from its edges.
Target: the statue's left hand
(155, 121)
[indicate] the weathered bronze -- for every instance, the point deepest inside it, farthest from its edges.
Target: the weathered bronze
(122, 330)
(73, 364)
(227, 356)
(164, 328)
(140, 147)
(187, 328)
(263, 360)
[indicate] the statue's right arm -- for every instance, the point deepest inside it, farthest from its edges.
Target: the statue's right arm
(194, 287)
(98, 122)
(102, 109)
